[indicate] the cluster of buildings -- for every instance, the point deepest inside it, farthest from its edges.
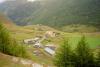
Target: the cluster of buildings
(36, 42)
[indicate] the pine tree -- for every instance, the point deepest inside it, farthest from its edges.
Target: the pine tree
(63, 55)
(84, 56)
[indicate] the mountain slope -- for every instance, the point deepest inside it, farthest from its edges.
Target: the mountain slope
(55, 13)
(6, 21)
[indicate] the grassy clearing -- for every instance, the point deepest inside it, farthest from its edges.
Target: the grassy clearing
(93, 39)
(21, 33)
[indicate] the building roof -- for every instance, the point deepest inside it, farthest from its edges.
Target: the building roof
(32, 39)
(50, 51)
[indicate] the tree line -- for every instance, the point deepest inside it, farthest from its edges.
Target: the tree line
(81, 56)
(9, 45)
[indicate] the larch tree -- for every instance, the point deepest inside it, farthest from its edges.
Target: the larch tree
(84, 57)
(63, 55)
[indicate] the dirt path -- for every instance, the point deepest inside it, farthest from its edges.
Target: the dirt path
(27, 63)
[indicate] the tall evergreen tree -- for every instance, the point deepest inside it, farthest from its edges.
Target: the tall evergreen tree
(63, 55)
(84, 56)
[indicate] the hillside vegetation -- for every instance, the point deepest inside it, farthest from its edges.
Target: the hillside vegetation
(54, 13)
(8, 44)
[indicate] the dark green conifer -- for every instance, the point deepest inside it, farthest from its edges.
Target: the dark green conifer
(63, 55)
(84, 56)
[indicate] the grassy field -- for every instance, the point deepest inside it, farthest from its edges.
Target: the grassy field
(22, 33)
(93, 39)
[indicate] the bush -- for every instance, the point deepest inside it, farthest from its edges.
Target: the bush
(98, 58)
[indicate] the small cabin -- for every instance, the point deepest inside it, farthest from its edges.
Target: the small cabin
(31, 41)
(51, 34)
(38, 45)
(49, 51)
(51, 46)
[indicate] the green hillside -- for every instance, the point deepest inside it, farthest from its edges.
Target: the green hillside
(54, 13)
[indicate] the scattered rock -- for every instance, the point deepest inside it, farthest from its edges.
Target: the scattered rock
(15, 59)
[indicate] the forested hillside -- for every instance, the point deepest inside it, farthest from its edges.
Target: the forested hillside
(55, 13)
